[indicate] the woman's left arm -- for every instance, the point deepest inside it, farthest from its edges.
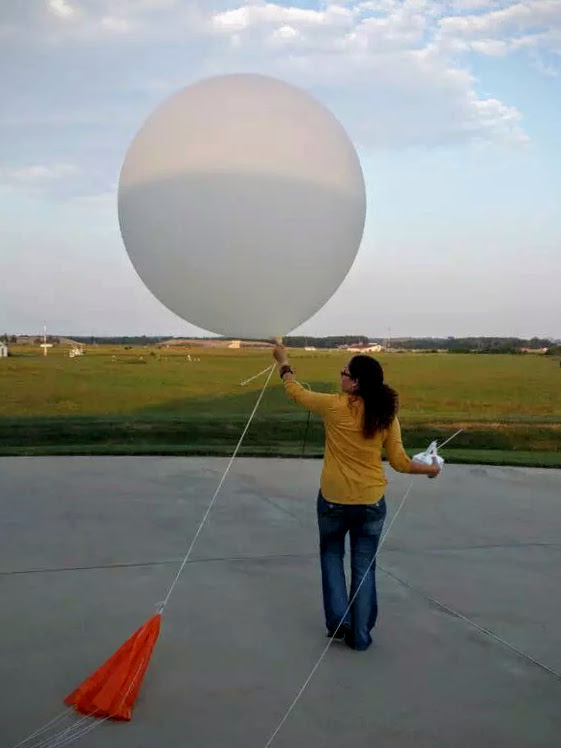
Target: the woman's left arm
(317, 402)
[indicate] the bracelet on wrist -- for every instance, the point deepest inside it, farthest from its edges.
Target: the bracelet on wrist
(285, 369)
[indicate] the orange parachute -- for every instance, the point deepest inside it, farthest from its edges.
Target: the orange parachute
(111, 691)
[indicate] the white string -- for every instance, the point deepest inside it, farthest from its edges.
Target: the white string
(315, 667)
(163, 604)
(71, 733)
(49, 725)
(479, 628)
(247, 381)
(62, 734)
(59, 740)
(450, 438)
(52, 739)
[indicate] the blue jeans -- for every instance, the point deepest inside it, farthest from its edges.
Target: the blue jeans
(364, 522)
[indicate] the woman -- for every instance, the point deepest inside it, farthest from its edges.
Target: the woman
(359, 422)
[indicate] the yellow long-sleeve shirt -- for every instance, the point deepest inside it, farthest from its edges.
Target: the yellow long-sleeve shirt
(352, 468)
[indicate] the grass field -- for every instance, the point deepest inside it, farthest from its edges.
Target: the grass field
(148, 401)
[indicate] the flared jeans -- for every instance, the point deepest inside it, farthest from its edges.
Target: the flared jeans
(363, 523)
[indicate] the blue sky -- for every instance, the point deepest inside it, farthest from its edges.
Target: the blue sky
(454, 107)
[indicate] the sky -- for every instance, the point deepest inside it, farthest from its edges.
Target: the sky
(454, 107)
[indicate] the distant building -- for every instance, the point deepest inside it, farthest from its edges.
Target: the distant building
(366, 348)
(3, 350)
(235, 344)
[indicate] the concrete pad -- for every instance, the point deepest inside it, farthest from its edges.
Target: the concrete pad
(90, 545)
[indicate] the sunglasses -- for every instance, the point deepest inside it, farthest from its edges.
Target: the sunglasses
(345, 373)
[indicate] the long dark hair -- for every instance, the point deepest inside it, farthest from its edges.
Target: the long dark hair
(380, 401)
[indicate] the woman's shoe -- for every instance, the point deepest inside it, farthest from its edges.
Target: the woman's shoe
(350, 642)
(340, 633)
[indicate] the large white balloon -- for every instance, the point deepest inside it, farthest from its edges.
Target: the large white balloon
(242, 205)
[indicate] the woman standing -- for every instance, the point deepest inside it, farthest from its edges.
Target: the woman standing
(359, 422)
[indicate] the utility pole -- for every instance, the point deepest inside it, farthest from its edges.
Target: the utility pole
(44, 344)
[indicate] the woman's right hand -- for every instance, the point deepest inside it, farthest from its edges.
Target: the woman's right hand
(434, 469)
(421, 468)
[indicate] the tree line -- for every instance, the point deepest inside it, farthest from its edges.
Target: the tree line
(474, 344)
(451, 344)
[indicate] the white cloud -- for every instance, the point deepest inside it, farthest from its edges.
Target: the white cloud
(383, 66)
(395, 71)
(490, 47)
(248, 16)
(61, 8)
(460, 6)
(511, 31)
(107, 20)
(403, 28)
(284, 35)
(523, 25)
(489, 27)
(37, 174)
(518, 16)
(116, 24)
(102, 200)
(55, 180)
(545, 69)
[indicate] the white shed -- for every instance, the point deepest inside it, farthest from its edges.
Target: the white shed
(3, 350)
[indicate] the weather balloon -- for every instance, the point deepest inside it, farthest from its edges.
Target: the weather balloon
(242, 205)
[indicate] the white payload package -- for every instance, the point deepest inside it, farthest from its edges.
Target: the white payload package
(429, 456)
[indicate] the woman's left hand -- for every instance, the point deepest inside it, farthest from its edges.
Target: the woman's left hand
(279, 354)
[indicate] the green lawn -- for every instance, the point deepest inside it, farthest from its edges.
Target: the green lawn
(143, 400)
